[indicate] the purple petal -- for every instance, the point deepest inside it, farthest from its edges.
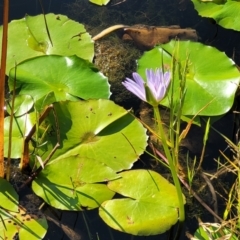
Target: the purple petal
(136, 88)
(150, 74)
(161, 93)
(138, 79)
(167, 78)
(159, 78)
(151, 81)
(158, 82)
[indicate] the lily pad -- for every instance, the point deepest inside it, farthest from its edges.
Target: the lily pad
(211, 82)
(66, 77)
(225, 13)
(22, 104)
(28, 37)
(150, 207)
(74, 187)
(100, 2)
(24, 224)
(20, 129)
(8, 196)
(98, 139)
(94, 128)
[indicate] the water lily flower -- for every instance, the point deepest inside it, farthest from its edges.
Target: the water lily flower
(151, 91)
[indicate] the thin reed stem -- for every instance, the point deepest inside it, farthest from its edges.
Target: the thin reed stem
(171, 160)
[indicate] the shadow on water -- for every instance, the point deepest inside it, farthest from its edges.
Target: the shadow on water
(98, 230)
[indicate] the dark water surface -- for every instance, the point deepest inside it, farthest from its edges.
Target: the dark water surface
(150, 12)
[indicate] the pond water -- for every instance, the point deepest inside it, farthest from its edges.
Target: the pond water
(131, 12)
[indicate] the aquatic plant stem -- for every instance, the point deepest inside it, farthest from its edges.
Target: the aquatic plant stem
(2, 82)
(170, 158)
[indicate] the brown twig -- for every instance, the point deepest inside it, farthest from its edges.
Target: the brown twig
(25, 157)
(2, 82)
(35, 173)
(8, 169)
(214, 196)
(28, 138)
(115, 4)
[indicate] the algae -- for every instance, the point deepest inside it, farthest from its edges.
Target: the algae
(117, 60)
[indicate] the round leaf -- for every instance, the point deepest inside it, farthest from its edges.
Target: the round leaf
(28, 37)
(8, 196)
(20, 128)
(225, 13)
(100, 2)
(65, 77)
(150, 206)
(74, 188)
(211, 82)
(90, 132)
(66, 196)
(22, 104)
(24, 224)
(94, 128)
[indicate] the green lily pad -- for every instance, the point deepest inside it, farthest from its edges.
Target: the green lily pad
(100, 2)
(98, 139)
(20, 129)
(211, 81)
(71, 183)
(225, 13)
(22, 104)
(8, 196)
(28, 38)
(94, 128)
(66, 77)
(24, 224)
(150, 207)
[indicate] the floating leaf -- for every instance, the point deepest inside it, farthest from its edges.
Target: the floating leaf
(20, 129)
(100, 2)
(150, 207)
(65, 77)
(74, 188)
(8, 196)
(24, 224)
(98, 139)
(28, 38)
(211, 82)
(225, 13)
(94, 128)
(22, 104)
